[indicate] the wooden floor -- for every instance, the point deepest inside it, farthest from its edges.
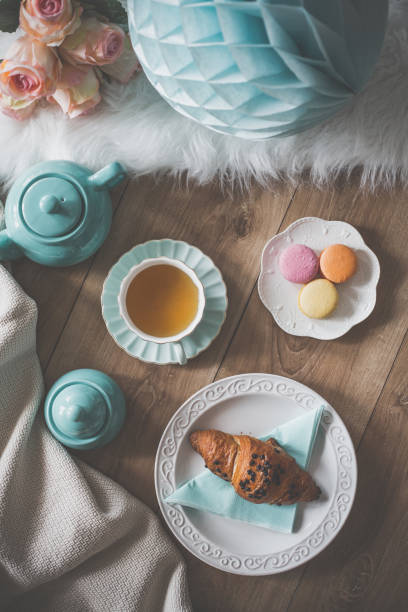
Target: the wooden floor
(363, 375)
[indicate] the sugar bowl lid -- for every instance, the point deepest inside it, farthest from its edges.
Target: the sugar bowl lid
(52, 206)
(84, 409)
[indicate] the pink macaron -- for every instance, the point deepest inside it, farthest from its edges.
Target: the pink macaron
(299, 264)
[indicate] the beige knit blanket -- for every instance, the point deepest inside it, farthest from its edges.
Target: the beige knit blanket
(70, 538)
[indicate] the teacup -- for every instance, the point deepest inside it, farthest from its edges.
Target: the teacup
(175, 339)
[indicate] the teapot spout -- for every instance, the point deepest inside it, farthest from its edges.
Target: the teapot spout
(8, 248)
(108, 177)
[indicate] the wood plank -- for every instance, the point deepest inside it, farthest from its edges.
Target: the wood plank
(366, 568)
(349, 372)
(55, 291)
(231, 230)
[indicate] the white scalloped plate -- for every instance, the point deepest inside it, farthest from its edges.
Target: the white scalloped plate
(357, 296)
(255, 404)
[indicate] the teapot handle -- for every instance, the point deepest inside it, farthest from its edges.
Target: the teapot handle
(8, 248)
(108, 177)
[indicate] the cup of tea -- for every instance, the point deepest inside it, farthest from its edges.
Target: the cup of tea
(162, 300)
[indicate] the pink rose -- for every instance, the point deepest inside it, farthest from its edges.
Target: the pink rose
(47, 9)
(50, 21)
(77, 91)
(94, 42)
(17, 109)
(126, 66)
(29, 71)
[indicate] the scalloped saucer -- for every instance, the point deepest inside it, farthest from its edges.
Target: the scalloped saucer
(214, 312)
(255, 404)
(357, 296)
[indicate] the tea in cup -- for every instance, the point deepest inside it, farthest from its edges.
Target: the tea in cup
(162, 300)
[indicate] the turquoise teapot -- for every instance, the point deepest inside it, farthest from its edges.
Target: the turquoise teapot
(58, 213)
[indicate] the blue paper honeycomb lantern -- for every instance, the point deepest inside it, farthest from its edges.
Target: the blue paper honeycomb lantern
(257, 68)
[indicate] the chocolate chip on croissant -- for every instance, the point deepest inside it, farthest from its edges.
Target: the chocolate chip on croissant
(260, 472)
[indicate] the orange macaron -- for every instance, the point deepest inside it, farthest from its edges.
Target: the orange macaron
(338, 263)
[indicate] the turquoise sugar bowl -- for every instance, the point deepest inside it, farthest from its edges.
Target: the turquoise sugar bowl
(84, 409)
(58, 213)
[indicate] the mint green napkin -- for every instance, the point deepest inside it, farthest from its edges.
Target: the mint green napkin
(209, 493)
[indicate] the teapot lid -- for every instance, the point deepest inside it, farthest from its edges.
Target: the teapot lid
(84, 409)
(79, 410)
(52, 206)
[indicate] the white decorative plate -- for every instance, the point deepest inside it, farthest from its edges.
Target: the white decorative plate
(357, 296)
(255, 404)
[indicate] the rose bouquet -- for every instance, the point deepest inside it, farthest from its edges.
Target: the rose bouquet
(65, 50)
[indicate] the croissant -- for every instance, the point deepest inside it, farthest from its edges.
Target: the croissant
(260, 472)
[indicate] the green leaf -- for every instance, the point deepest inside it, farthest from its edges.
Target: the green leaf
(9, 10)
(112, 9)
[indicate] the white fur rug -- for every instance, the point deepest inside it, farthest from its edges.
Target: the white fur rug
(137, 127)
